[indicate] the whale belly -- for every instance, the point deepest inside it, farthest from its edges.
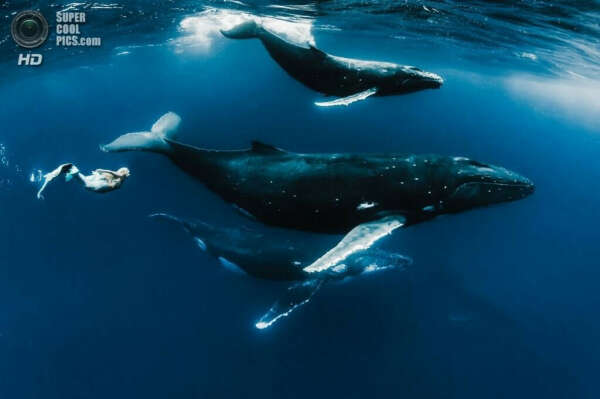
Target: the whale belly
(302, 195)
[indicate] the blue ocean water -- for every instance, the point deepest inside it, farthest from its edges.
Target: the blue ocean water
(98, 300)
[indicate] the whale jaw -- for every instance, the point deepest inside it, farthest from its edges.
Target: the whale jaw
(407, 79)
(479, 184)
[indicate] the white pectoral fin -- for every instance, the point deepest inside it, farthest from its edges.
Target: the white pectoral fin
(295, 296)
(358, 239)
(348, 100)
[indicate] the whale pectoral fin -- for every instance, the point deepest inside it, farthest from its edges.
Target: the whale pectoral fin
(350, 99)
(295, 296)
(358, 239)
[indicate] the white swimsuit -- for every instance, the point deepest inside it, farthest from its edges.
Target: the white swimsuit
(100, 181)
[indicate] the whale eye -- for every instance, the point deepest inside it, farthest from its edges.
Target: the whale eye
(481, 167)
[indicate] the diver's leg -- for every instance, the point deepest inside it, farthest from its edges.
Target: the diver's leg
(74, 173)
(48, 177)
(46, 181)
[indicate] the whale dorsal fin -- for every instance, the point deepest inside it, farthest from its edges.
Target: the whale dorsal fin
(262, 148)
(316, 51)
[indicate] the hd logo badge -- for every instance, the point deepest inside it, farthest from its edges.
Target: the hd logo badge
(29, 30)
(30, 59)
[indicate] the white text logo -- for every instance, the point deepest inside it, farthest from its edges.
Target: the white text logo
(30, 59)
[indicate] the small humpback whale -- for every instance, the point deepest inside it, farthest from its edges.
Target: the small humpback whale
(350, 79)
(274, 254)
(365, 196)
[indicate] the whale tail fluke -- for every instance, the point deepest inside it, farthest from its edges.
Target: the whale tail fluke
(154, 140)
(245, 30)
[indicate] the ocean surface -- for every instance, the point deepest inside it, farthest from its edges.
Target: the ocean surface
(97, 300)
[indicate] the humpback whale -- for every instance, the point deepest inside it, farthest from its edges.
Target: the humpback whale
(364, 196)
(273, 254)
(350, 79)
(332, 193)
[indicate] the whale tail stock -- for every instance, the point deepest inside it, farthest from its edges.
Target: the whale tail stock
(154, 140)
(246, 30)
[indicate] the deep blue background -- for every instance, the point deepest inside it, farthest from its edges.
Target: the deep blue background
(98, 301)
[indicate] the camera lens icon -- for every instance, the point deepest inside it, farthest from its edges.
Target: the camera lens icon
(29, 29)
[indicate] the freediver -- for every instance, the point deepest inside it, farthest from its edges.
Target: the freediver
(99, 181)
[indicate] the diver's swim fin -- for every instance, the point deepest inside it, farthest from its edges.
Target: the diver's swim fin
(348, 100)
(295, 296)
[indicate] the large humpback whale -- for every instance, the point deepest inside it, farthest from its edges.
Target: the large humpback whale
(274, 254)
(366, 196)
(332, 193)
(350, 79)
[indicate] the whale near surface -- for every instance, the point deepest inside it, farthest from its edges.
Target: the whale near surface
(274, 254)
(350, 79)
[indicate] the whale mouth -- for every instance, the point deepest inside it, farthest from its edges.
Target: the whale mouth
(410, 78)
(426, 79)
(481, 184)
(481, 193)
(431, 80)
(524, 189)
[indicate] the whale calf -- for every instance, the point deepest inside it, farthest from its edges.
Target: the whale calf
(364, 196)
(274, 254)
(351, 79)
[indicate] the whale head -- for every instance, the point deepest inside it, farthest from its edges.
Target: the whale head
(471, 184)
(408, 79)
